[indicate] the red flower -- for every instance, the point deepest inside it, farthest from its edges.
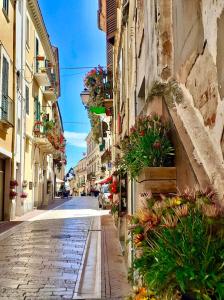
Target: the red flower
(12, 194)
(133, 129)
(157, 145)
(23, 195)
(110, 197)
(142, 133)
(38, 123)
(14, 183)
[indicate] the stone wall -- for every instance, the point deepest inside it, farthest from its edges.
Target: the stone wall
(178, 40)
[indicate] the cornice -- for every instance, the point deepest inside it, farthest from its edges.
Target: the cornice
(41, 28)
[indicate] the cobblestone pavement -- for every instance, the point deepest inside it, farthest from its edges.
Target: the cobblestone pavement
(41, 259)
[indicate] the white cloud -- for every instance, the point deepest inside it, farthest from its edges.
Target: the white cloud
(76, 138)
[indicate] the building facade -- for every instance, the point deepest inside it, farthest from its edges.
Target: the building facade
(166, 58)
(79, 183)
(7, 104)
(31, 133)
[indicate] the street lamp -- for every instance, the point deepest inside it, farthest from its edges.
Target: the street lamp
(85, 95)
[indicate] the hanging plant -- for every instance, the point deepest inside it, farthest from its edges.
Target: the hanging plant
(98, 83)
(13, 183)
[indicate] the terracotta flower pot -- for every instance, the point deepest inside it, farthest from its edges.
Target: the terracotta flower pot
(40, 58)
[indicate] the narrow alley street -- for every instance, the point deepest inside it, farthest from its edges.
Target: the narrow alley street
(46, 257)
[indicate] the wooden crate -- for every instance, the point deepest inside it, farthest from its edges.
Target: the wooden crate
(158, 180)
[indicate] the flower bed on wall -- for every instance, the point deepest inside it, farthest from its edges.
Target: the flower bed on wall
(179, 247)
(148, 145)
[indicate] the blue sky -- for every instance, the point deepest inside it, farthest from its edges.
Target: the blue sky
(72, 26)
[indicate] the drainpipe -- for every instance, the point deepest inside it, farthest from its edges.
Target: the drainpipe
(13, 161)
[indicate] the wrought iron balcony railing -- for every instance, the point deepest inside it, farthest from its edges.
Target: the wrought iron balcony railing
(43, 71)
(7, 110)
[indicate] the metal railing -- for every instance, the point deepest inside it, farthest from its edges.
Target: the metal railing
(44, 66)
(7, 110)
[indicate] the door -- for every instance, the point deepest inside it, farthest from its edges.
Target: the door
(2, 186)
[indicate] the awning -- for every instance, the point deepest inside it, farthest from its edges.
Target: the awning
(59, 180)
(107, 180)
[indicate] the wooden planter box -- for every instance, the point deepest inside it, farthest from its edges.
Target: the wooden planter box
(161, 180)
(108, 103)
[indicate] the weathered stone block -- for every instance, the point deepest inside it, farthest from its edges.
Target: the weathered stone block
(220, 54)
(202, 84)
(188, 35)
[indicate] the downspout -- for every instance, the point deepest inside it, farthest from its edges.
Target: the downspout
(13, 161)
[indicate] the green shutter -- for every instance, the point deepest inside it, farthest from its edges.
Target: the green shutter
(27, 100)
(5, 83)
(38, 110)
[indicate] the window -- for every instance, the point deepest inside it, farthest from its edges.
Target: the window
(37, 53)
(5, 80)
(18, 126)
(27, 31)
(6, 6)
(27, 100)
(37, 109)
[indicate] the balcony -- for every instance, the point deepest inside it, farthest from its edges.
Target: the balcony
(7, 111)
(42, 137)
(44, 144)
(42, 71)
(50, 93)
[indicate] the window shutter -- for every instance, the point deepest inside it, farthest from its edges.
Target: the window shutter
(37, 53)
(27, 100)
(111, 15)
(5, 82)
(6, 6)
(109, 56)
(27, 31)
(38, 111)
(36, 108)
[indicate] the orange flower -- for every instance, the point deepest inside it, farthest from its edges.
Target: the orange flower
(170, 221)
(138, 239)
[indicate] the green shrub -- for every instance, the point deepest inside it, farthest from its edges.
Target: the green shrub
(183, 250)
(147, 146)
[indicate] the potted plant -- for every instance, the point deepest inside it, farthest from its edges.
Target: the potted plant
(99, 86)
(148, 155)
(108, 103)
(109, 111)
(179, 245)
(36, 131)
(23, 195)
(12, 194)
(13, 183)
(40, 58)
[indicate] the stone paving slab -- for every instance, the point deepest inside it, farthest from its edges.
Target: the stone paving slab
(114, 273)
(41, 259)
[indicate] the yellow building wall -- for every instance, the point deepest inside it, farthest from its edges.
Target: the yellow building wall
(34, 90)
(6, 45)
